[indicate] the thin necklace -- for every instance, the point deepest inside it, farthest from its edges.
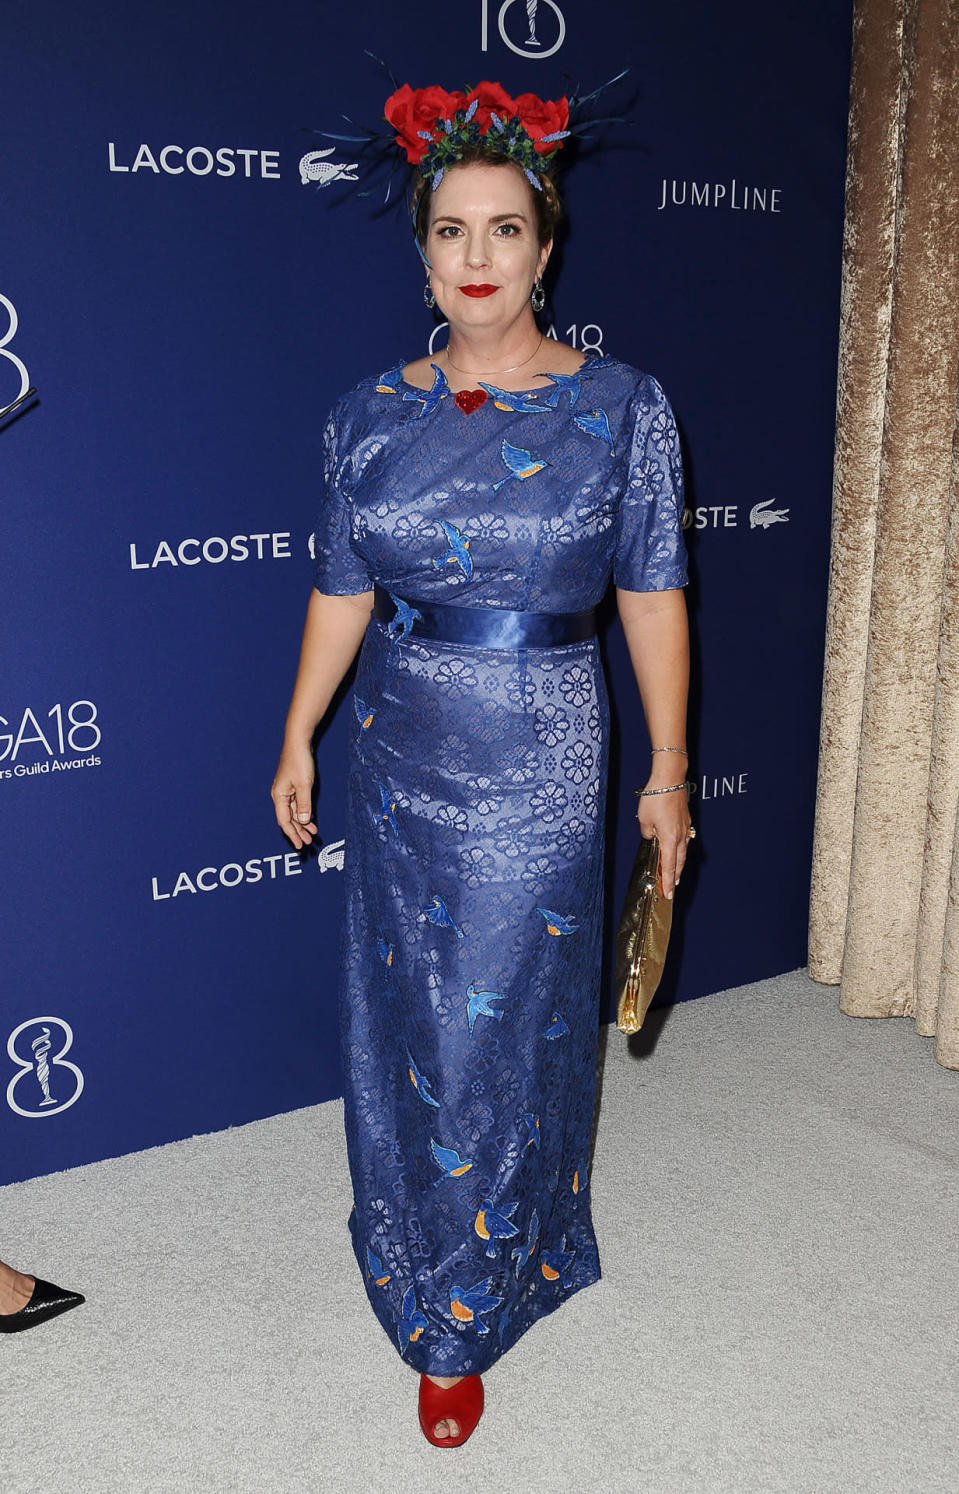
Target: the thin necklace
(473, 372)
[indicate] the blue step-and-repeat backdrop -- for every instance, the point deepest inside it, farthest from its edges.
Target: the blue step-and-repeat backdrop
(189, 295)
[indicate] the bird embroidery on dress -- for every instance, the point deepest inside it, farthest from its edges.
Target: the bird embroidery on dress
(478, 1005)
(595, 423)
(521, 403)
(385, 951)
(411, 1323)
(389, 382)
(376, 1268)
(437, 912)
(403, 618)
(556, 1265)
(495, 1224)
(450, 1162)
(565, 383)
(576, 1181)
(521, 464)
(363, 713)
(521, 1255)
(556, 1028)
(430, 398)
(459, 551)
(532, 1125)
(385, 815)
(420, 1083)
(559, 923)
(466, 1304)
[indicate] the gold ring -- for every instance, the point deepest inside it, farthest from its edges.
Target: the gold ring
(691, 833)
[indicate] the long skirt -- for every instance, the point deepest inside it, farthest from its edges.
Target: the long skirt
(471, 983)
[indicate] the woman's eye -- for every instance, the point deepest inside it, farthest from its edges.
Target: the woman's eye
(448, 230)
(508, 230)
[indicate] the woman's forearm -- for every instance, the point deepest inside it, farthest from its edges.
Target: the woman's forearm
(657, 636)
(331, 637)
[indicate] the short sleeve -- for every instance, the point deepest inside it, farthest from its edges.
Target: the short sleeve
(337, 568)
(650, 552)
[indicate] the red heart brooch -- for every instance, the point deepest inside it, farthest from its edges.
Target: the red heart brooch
(470, 399)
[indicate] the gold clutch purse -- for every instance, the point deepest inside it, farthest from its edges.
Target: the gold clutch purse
(642, 938)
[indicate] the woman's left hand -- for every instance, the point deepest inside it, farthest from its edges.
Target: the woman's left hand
(667, 817)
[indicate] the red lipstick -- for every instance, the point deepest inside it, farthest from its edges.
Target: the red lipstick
(478, 290)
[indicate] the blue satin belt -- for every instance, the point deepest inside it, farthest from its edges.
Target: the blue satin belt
(487, 627)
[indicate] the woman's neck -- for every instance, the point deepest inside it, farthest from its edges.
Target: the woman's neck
(488, 352)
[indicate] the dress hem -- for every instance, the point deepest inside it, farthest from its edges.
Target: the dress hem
(479, 1363)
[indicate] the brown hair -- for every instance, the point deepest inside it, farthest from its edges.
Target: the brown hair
(547, 202)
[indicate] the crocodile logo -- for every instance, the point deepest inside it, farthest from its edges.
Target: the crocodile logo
(315, 168)
(331, 857)
(761, 515)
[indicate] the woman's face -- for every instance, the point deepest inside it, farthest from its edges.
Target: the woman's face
(482, 246)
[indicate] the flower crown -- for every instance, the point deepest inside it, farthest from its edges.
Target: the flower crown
(435, 127)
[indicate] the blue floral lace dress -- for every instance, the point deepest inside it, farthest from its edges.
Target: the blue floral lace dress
(475, 832)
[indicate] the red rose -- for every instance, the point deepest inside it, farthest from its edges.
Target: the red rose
(410, 110)
(542, 117)
(491, 98)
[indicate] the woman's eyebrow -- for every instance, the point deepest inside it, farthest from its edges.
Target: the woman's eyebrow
(498, 218)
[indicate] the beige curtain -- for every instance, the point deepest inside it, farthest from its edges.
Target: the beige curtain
(884, 916)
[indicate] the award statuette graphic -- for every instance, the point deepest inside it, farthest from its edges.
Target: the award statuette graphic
(41, 1047)
(27, 390)
(46, 1082)
(528, 44)
(531, 40)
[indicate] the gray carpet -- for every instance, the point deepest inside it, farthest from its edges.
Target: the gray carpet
(775, 1191)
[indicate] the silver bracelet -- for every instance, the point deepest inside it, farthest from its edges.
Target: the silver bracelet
(681, 750)
(671, 789)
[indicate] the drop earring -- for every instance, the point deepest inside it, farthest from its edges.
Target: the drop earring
(428, 296)
(537, 296)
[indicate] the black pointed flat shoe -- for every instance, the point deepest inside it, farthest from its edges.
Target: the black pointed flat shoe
(47, 1301)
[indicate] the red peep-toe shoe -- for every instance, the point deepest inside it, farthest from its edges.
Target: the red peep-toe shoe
(462, 1403)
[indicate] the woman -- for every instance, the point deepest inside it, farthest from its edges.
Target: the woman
(26, 1301)
(475, 505)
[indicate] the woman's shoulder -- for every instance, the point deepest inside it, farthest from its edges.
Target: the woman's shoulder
(385, 381)
(364, 399)
(640, 392)
(620, 374)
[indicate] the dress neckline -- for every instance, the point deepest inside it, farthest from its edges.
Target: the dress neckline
(590, 362)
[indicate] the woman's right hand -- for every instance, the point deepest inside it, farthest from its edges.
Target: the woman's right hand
(333, 632)
(292, 793)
